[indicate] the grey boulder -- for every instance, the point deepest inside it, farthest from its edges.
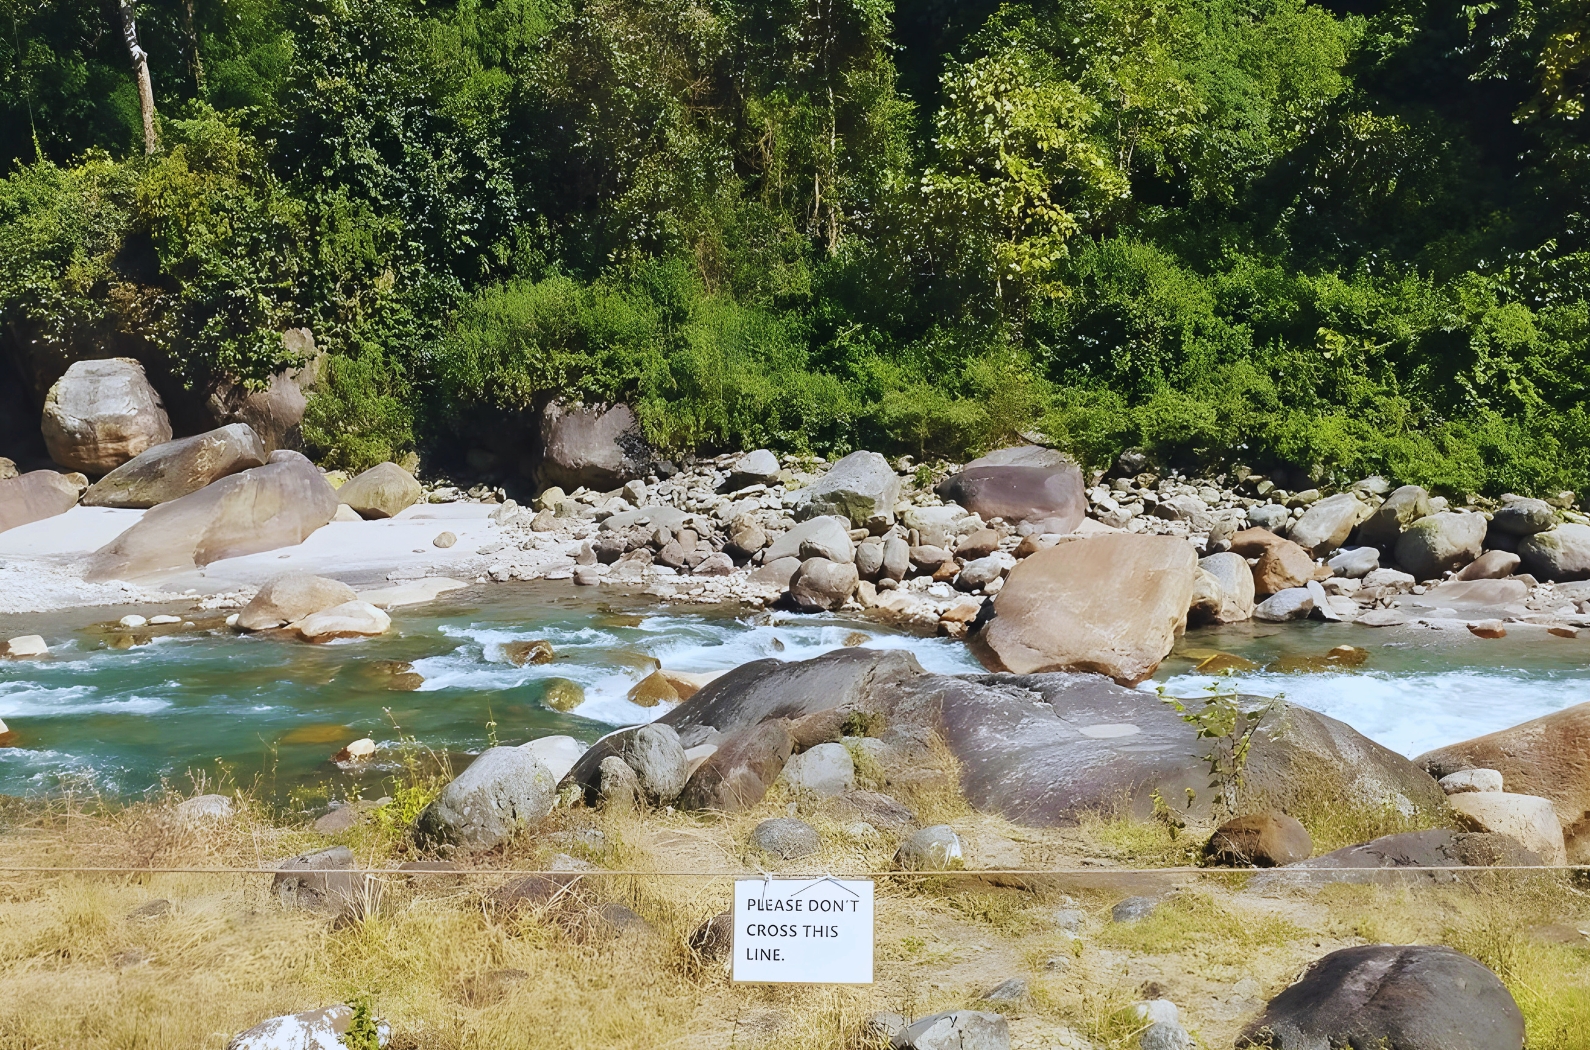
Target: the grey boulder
(1402, 508)
(173, 470)
(1413, 997)
(861, 488)
(956, 1030)
(1327, 523)
(1055, 496)
(1524, 517)
(277, 505)
(827, 536)
(786, 837)
(659, 762)
(820, 584)
(1562, 553)
(1356, 563)
(1441, 542)
(500, 790)
(825, 770)
(101, 414)
(1223, 589)
(1294, 603)
(380, 492)
(936, 848)
(326, 881)
(754, 468)
(594, 446)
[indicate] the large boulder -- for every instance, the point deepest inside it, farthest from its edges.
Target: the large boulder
(1441, 543)
(1223, 591)
(100, 414)
(1046, 749)
(1402, 508)
(1415, 997)
(1387, 859)
(37, 495)
(1259, 840)
(1562, 553)
(1055, 496)
(820, 584)
(861, 488)
(659, 762)
(1521, 516)
(1327, 523)
(761, 691)
(1282, 566)
(176, 468)
(736, 776)
(355, 619)
(289, 598)
(823, 537)
(381, 492)
(1548, 756)
(594, 446)
(275, 411)
(1111, 604)
(1529, 820)
(500, 790)
(277, 505)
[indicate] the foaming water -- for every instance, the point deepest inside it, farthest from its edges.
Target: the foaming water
(1417, 690)
(271, 712)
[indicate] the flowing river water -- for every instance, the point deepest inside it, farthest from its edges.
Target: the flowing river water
(267, 713)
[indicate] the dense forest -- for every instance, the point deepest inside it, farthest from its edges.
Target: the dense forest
(1342, 237)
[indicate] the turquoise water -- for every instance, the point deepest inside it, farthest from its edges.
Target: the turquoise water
(270, 712)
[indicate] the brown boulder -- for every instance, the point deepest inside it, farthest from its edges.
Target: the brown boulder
(598, 447)
(1112, 604)
(1259, 840)
(1548, 756)
(1021, 493)
(100, 414)
(1252, 543)
(277, 505)
(1492, 565)
(37, 495)
(738, 774)
(381, 492)
(274, 412)
(1284, 564)
(172, 470)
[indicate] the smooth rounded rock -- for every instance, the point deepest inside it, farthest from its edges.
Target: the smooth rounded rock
(594, 446)
(383, 491)
(1259, 840)
(935, 848)
(786, 837)
(1401, 509)
(290, 597)
(1468, 780)
(1562, 553)
(1492, 565)
(825, 770)
(502, 789)
(659, 762)
(1224, 590)
(1524, 517)
(1356, 563)
(174, 469)
(1529, 820)
(1327, 523)
(1293, 603)
(355, 619)
(101, 414)
(759, 467)
(37, 495)
(1282, 566)
(823, 537)
(1441, 543)
(821, 584)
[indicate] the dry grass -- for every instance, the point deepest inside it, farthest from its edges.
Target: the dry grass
(79, 968)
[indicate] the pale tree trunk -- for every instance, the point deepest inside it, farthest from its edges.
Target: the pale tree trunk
(146, 90)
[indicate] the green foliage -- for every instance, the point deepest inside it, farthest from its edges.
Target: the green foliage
(1214, 231)
(1229, 728)
(362, 1033)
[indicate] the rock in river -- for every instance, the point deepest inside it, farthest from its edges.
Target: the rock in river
(1111, 604)
(101, 414)
(172, 470)
(1415, 997)
(289, 598)
(277, 505)
(353, 619)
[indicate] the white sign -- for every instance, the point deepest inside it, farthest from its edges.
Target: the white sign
(803, 931)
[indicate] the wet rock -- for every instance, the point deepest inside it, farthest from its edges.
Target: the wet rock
(26, 647)
(1410, 997)
(1326, 524)
(291, 597)
(534, 652)
(1523, 517)
(277, 505)
(37, 495)
(1529, 820)
(1356, 563)
(1282, 566)
(353, 619)
(956, 1030)
(1402, 508)
(822, 584)
(101, 414)
(1545, 757)
(935, 848)
(311, 1030)
(652, 690)
(1441, 543)
(861, 488)
(1492, 565)
(824, 770)
(502, 789)
(594, 446)
(738, 774)
(1259, 840)
(1563, 553)
(381, 492)
(562, 694)
(1112, 604)
(786, 837)
(1223, 591)
(174, 469)
(659, 762)
(1467, 780)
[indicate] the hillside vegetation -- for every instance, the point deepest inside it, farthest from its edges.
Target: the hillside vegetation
(1342, 237)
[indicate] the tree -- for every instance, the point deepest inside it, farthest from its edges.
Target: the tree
(146, 89)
